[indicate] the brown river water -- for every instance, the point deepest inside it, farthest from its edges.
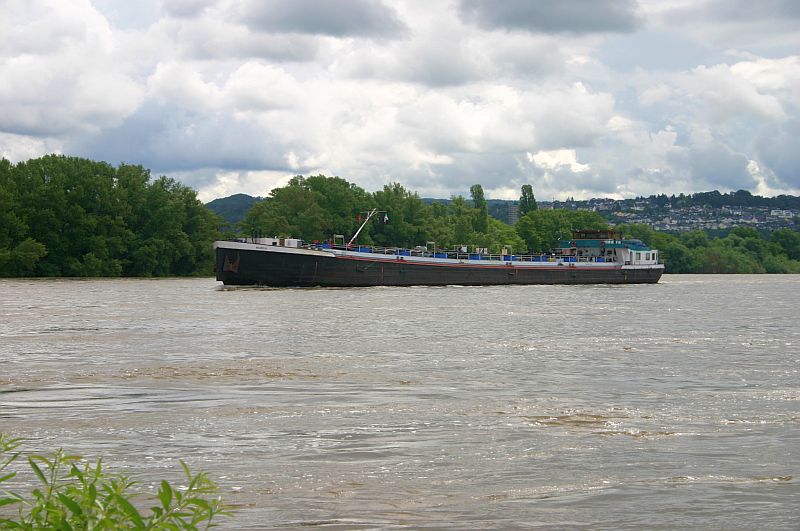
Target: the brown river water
(665, 406)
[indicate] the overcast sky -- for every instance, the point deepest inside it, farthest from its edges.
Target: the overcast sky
(583, 98)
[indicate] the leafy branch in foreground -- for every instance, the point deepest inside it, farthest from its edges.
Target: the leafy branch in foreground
(78, 495)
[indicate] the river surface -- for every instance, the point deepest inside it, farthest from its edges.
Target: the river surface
(667, 406)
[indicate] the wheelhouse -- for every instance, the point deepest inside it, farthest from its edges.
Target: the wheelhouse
(607, 246)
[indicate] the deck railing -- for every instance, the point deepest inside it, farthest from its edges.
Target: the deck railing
(556, 256)
(458, 255)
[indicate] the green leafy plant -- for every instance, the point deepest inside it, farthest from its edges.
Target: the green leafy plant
(74, 494)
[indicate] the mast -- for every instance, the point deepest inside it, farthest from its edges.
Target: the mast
(369, 216)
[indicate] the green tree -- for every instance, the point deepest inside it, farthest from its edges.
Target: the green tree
(695, 239)
(292, 210)
(499, 236)
(461, 215)
(788, 242)
(542, 229)
(780, 264)
(19, 254)
(67, 216)
(173, 230)
(264, 220)
(678, 258)
(527, 202)
(341, 201)
(746, 232)
(22, 259)
(481, 216)
(637, 231)
(408, 218)
(721, 258)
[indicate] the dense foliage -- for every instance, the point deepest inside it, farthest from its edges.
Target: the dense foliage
(319, 207)
(67, 216)
(542, 229)
(74, 494)
(743, 250)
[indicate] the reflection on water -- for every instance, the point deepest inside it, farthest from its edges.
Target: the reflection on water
(665, 406)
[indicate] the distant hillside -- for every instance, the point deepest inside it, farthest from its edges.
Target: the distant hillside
(233, 208)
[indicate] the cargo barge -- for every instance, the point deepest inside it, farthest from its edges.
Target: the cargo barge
(589, 257)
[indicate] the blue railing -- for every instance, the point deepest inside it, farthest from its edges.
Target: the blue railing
(457, 255)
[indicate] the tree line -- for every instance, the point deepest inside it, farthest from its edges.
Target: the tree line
(318, 207)
(69, 216)
(716, 199)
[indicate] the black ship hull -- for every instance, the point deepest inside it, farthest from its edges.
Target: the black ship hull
(301, 268)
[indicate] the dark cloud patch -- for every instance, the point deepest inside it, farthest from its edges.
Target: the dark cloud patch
(767, 27)
(438, 67)
(26, 119)
(720, 167)
(277, 48)
(342, 18)
(563, 16)
(777, 148)
(744, 10)
(490, 170)
(167, 139)
(532, 62)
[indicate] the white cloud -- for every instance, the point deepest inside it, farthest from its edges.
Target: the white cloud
(655, 95)
(723, 95)
(255, 87)
(225, 183)
(18, 148)
(59, 72)
(186, 8)
(183, 86)
(437, 94)
(557, 158)
(568, 116)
